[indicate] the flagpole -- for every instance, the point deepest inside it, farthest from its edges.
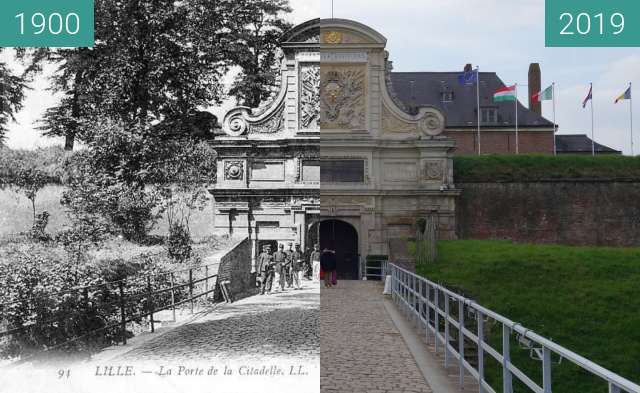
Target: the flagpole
(553, 92)
(631, 117)
(478, 104)
(593, 142)
(517, 142)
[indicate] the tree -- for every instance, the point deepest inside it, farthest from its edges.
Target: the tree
(129, 176)
(152, 61)
(257, 29)
(12, 88)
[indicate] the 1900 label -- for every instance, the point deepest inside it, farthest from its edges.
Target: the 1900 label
(46, 23)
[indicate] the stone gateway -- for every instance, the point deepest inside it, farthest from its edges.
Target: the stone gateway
(382, 167)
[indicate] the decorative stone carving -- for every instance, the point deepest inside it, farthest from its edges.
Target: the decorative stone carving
(235, 124)
(233, 170)
(333, 37)
(342, 98)
(392, 124)
(310, 97)
(272, 125)
(431, 124)
(433, 170)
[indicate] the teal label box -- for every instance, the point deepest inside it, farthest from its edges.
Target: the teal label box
(592, 23)
(46, 23)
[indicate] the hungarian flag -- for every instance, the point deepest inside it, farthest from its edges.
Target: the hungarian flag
(544, 95)
(507, 93)
(624, 96)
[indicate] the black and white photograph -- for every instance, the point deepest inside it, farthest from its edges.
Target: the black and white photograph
(158, 194)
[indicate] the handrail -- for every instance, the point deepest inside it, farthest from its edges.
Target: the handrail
(409, 290)
(122, 299)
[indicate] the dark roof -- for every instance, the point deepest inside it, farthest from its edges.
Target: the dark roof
(576, 144)
(416, 89)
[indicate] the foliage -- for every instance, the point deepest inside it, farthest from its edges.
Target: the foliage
(12, 88)
(152, 61)
(29, 181)
(179, 243)
(515, 168)
(256, 31)
(49, 161)
(129, 175)
(584, 298)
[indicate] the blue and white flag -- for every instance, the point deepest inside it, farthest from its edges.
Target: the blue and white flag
(468, 77)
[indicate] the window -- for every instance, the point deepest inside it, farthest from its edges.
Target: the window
(489, 115)
(446, 96)
(342, 171)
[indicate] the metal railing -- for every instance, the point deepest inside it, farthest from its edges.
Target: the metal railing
(374, 269)
(122, 302)
(433, 307)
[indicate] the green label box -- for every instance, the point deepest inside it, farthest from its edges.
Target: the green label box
(46, 23)
(592, 23)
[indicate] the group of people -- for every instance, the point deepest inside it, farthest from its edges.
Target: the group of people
(287, 268)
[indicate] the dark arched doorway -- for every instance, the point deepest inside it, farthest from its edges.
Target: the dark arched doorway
(343, 238)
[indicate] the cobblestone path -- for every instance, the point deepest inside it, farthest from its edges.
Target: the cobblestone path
(362, 351)
(280, 325)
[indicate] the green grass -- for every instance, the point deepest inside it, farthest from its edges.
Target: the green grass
(587, 299)
(543, 167)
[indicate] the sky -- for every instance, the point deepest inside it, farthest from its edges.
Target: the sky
(501, 36)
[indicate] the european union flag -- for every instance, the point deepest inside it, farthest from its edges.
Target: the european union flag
(468, 77)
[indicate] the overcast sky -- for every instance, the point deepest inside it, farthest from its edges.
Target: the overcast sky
(442, 35)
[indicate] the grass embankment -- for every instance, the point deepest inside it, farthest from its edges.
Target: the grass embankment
(587, 299)
(507, 168)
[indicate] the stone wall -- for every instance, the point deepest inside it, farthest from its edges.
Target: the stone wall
(235, 266)
(604, 213)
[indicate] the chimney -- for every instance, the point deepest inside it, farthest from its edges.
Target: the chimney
(535, 84)
(467, 67)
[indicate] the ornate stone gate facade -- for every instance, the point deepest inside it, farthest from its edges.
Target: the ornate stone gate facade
(382, 168)
(268, 182)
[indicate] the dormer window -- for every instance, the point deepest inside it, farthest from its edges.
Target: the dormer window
(489, 115)
(447, 96)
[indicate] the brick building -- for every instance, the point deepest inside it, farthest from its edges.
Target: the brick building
(458, 104)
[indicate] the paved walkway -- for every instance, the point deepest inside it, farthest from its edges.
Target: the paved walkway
(362, 350)
(267, 344)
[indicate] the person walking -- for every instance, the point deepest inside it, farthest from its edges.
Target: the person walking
(288, 266)
(315, 262)
(297, 264)
(328, 264)
(280, 260)
(265, 268)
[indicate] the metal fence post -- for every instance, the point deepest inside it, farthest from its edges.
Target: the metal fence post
(461, 342)
(436, 317)
(480, 319)
(546, 370)
(150, 303)
(507, 384)
(173, 297)
(191, 288)
(446, 330)
(123, 317)
(428, 312)
(206, 281)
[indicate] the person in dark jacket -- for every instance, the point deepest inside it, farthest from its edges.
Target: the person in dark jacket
(328, 264)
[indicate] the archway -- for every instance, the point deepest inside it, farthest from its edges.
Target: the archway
(343, 238)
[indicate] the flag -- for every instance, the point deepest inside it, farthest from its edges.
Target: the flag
(468, 77)
(507, 93)
(544, 95)
(589, 97)
(625, 96)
